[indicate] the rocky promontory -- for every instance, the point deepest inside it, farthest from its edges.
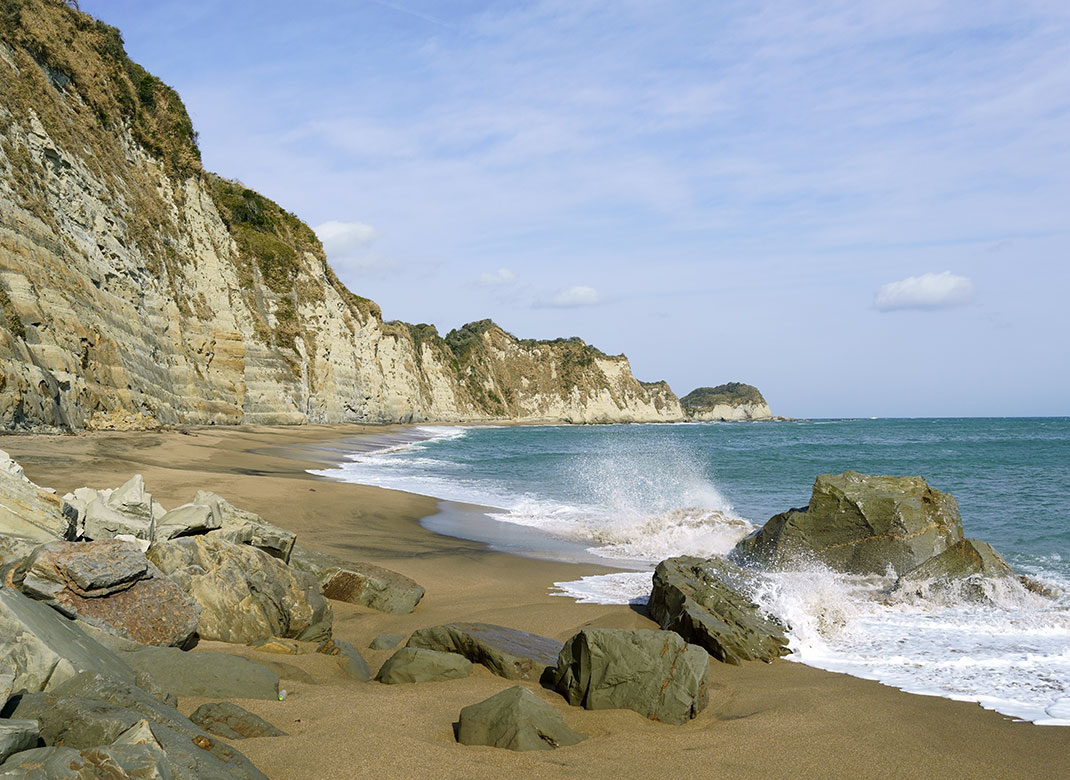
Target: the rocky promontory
(733, 401)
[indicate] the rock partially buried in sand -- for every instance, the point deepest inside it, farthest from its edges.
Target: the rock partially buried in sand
(386, 641)
(969, 570)
(700, 600)
(654, 673)
(112, 585)
(512, 654)
(231, 721)
(351, 661)
(244, 593)
(416, 665)
(860, 524)
(515, 719)
(359, 583)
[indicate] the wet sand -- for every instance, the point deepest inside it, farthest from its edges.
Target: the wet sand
(780, 720)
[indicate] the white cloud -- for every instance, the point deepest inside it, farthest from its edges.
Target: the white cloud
(344, 239)
(928, 291)
(580, 295)
(500, 278)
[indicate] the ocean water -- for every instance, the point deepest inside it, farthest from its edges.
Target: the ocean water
(634, 495)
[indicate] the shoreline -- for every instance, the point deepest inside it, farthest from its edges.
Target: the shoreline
(776, 720)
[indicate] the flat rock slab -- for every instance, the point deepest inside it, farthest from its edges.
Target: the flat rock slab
(16, 736)
(702, 600)
(28, 512)
(512, 654)
(654, 673)
(207, 674)
(43, 649)
(231, 721)
(359, 583)
(112, 585)
(417, 665)
(114, 762)
(515, 719)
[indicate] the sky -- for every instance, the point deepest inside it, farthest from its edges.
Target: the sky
(863, 208)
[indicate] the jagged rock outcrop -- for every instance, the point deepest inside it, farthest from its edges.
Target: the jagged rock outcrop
(137, 289)
(733, 401)
(860, 524)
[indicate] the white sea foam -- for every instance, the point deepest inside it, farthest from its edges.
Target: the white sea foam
(631, 587)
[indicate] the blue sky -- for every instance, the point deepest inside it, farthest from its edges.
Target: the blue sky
(859, 207)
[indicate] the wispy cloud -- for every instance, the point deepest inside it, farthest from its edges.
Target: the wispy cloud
(503, 277)
(573, 297)
(928, 291)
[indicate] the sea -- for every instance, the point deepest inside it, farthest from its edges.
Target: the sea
(629, 496)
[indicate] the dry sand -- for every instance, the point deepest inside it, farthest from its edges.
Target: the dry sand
(780, 720)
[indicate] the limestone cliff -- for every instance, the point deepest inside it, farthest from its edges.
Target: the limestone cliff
(134, 282)
(729, 402)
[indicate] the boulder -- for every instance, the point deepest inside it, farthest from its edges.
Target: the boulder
(131, 499)
(359, 583)
(654, 673)
(241, 527)
(186, 520)
(386, 641)
(969, 570)
(94, 709)
(232, 722)
(278, 646)
(860, 524)
(515, 719)
(112, 585)
(16, 736)
(351, 661)
(103, 521)
(703, 601)
(512, 654)
(415, 665)
(244, 593)
(43, 649)
(32, 513)
(207, 674)
(114, 762)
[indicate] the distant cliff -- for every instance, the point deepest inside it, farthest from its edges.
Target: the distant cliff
(732, 401)
(132, 282)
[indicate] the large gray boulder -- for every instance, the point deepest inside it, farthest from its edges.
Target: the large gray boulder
(43, 649)
(90, 710)
(515, 719)
(704, 601)
(415, 665)
(128, 510)
(244, 593)
(242, 527)
(359, 583)
(654, 673)
(512, 654)
(206, 674)
(860, 524)
(231, 721)
(106, 762)
(32, 513)
(112, 585)
(16, 736)
(969, 571)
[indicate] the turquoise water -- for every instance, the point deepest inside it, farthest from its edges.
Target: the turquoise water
(636, 494)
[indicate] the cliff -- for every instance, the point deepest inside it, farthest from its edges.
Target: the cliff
(731, 401)
(134, 282)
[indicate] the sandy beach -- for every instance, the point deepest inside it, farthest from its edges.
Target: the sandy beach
(764, 720)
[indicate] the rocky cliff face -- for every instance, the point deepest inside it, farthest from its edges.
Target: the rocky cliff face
(132, 281)
(734, 401)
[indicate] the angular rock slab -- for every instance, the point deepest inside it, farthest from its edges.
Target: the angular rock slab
(28, 512)
(699, 600)
(417, 665)
(244, 593)
(186, 520)
(207, 674)
(16, 736)
(15, 549)
(114, 762)
(515, 719)
(860, 524)
(242, 527)
(654, 673)
(359, 583)
(970, 570)
(112, 585)
(43, 649)
(94, 709)
(231, 721)
(512, 654)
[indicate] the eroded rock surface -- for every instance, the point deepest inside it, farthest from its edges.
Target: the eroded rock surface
(515, 719)
(225, 719)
